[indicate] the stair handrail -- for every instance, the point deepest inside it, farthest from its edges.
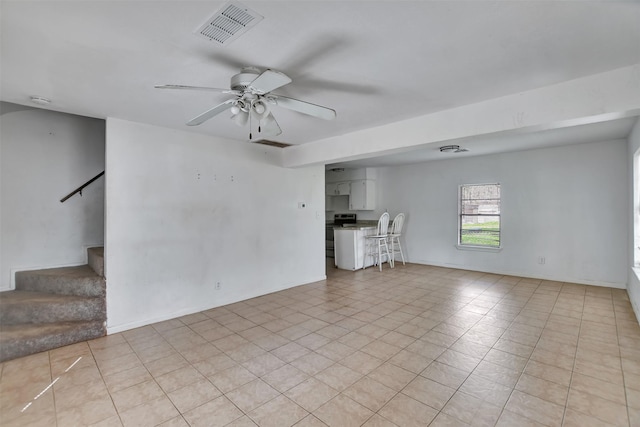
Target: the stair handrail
(79, 189)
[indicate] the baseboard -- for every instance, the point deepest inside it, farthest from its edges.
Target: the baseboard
(191, 310)
(636, 309)
(85, 250)
(633, 289)
(529, 275)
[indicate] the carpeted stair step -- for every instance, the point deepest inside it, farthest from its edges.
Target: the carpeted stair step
(36, 307)
(96, 260)
(53, 307)
(80, 281)
(21, 340)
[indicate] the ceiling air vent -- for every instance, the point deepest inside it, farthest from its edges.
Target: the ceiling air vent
(228, 23)
(272, 143)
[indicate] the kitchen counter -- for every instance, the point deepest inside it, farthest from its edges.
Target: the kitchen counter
(355, 227)
(358, 225)
(350, 246)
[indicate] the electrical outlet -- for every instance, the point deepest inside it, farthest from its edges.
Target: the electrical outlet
(541, 260)
(218, 286)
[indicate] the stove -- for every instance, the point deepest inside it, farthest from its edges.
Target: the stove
(338, 221)
(345, 218)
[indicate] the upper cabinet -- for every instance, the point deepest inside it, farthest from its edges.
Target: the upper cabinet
(363, 195)
(344, 188)
(338, 189)
(358, 184)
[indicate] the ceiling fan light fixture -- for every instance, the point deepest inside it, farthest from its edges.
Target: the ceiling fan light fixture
(269, 126)
(260, 109)
(241, 118)
(267, 121)
(239, 106)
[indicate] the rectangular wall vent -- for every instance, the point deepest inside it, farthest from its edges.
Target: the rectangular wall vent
(228, 23)
(272, 143)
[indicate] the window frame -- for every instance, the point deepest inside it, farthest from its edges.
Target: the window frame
(478, 247)
(636, 209)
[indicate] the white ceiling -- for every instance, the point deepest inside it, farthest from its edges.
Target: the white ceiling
(374, 62)
(503, 142)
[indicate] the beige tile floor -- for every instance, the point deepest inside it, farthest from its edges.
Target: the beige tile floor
(413, 346)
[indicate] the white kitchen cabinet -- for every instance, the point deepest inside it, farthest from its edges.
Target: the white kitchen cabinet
(344, 188)
(337, 189)
(331, 189)
(363, 195)
(349, 244)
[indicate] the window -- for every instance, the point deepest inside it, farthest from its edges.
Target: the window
(479, 223)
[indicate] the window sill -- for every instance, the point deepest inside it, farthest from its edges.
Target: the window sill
(636, 270)
(478, 248)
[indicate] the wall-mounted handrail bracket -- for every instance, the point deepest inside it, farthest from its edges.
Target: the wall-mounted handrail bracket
(79, 189)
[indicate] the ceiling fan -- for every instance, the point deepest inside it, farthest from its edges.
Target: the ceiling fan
(253, 98)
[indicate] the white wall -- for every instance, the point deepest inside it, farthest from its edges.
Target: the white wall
(567, 204)
(44, 156)
(633, 285)
(185, 211)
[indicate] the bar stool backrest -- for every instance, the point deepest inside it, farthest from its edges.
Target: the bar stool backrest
(383, 224)
(398, 222)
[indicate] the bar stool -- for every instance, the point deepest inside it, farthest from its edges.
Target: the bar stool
(394, 237)
(378, 241)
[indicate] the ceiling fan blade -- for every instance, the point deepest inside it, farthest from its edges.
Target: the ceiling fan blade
(268, 81)
(304, 107)
(210, 89)
(211, 113)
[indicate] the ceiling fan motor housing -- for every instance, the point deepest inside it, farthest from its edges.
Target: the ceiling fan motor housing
(243, 79)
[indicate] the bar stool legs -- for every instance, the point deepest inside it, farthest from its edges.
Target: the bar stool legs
(377, 242)
(395, 240)
(394, 237)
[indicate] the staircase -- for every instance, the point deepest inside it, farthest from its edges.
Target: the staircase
(54, 307)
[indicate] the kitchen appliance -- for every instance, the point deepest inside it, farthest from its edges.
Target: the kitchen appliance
(338, 221)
